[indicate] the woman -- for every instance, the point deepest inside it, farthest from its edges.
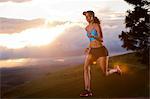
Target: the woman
(96, 52)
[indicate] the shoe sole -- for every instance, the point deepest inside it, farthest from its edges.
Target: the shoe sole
(87, 95)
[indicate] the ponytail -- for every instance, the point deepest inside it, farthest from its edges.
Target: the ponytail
(96, 20)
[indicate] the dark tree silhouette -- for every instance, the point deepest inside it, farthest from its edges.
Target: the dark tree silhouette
(137, 34)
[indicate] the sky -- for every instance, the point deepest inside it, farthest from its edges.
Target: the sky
(28, 27)
(69, 10)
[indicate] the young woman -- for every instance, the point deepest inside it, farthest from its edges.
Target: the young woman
(96, 52)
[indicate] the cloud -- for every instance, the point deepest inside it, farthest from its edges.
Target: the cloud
(17, 1)
(9, 25)
(55, 23)
(73, 38)
(56, 10)
(108, 13)
(17, 25)
(71, 42)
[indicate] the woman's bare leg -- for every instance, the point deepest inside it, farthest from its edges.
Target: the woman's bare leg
(87, 72)
(103, 63)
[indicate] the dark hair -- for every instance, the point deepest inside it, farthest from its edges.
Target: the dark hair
(90, 12)
(96, 20)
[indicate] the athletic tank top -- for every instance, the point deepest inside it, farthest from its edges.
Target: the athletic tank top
(93, 33)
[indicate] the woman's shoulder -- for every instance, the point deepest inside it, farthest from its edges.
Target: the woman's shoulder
(96, 24)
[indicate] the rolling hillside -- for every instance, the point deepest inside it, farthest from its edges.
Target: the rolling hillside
(68, 83)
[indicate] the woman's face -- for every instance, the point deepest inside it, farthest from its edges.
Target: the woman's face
(88, 17)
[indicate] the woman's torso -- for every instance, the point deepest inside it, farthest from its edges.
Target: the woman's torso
(93, 42)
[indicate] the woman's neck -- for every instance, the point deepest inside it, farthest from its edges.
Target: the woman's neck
(91, 23)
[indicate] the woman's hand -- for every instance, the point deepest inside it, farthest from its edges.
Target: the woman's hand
(97, 38)
(86, 50)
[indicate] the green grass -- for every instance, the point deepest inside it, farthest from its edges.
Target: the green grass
(68, 83)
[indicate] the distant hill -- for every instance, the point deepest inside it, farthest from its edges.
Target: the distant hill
(68, 83)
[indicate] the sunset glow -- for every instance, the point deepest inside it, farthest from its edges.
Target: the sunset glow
(31, 37)
(13, 62)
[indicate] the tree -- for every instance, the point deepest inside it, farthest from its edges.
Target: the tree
(137, 34)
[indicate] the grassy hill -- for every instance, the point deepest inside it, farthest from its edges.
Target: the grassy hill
(68, 83)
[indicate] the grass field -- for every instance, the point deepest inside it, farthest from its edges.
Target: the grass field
(68, 83)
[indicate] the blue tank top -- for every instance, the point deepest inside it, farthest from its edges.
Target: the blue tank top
(93, 33)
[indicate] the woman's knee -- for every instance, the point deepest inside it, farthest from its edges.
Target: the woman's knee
(103, 65)
(105, 73)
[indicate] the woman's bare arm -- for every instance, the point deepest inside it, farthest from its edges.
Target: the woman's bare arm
(99, 31)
